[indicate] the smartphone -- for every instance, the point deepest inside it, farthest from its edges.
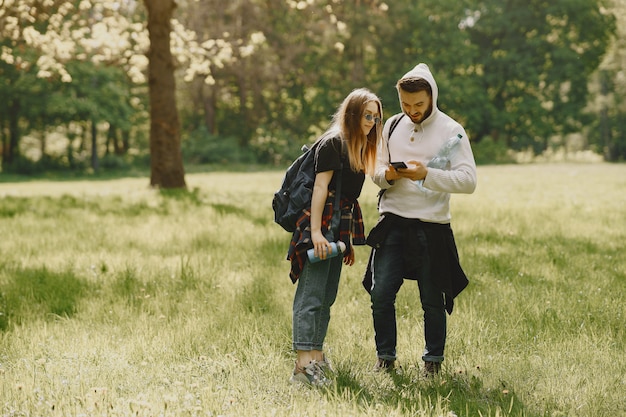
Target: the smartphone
(397, 165)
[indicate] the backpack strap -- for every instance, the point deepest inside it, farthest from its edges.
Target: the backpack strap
(336, 219)
(394, 123)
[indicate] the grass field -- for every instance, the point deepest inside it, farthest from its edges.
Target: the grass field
(118, 300)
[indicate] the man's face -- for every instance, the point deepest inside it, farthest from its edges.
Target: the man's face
(418, 106)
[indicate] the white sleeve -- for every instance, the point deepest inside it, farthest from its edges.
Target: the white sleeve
(461, 177)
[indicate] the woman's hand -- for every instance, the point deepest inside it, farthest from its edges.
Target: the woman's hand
(321, 246)
(349, 258)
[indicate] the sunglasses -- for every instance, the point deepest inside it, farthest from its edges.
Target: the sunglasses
(369, 118)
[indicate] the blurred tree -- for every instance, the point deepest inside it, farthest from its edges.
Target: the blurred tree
(63, 62)
(607, 130)
(535, 59)
(430, 32)
(264, 76)
(261, 77)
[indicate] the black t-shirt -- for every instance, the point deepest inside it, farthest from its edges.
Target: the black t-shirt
(328, 157)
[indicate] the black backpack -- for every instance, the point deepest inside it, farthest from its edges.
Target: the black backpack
(296, 191)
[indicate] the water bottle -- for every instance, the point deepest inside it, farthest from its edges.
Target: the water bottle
(337, 248)
(442, 158)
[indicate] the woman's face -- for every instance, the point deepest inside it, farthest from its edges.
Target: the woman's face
(371, 116)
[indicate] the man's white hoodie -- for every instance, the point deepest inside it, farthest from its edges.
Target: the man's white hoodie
(403, 197)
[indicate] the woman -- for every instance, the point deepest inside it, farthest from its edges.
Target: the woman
(346, 152)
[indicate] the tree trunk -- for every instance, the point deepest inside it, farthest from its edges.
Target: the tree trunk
(4, 143)
(95, 164)
(113, 140)
(70, 146)
(125, 141)
(13, 150)
(210, 103)
(605, 121)
(166, 160)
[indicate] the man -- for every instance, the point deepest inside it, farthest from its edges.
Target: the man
(413, 238)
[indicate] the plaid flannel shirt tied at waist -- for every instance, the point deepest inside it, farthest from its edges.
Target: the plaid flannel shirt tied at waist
(351, 231)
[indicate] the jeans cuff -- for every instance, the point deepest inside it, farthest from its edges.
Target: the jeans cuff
(307, 346)
(387, 357)
(429, 358)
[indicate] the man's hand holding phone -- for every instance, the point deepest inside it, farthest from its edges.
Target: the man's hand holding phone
(398, 165)
(412, 170)
(392, 173)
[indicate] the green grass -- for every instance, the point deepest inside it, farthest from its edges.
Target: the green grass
(119, 300)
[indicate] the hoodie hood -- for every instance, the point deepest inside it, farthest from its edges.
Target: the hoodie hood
(422, 71)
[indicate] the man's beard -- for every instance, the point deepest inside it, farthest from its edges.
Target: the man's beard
(422, 117)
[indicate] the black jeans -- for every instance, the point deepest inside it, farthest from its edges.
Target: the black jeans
(389, 267)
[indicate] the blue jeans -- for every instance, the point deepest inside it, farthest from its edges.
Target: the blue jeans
(317, 290)
(388, 264)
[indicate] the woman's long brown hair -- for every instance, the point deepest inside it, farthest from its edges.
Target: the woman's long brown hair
(361, 149)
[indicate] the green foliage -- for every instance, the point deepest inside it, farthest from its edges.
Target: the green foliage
(23, 166)
(31, 104)
(279, 147)
(607, 131)
(200, 147)
(115, 163)
(536, 59)
(488, 151)
(616, 150)
(515, 71)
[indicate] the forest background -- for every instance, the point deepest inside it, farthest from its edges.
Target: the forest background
(256, 79)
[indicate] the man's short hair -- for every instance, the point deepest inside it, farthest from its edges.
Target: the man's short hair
(414, 85)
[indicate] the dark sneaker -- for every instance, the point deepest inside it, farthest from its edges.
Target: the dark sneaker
(431, 368)
(312, 374)
(386, 365)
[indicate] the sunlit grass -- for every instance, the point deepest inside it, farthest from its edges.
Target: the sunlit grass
(120, 300)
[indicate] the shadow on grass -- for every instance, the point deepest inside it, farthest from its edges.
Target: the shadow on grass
(62, 176)
(463, 394)
(31, 293)
(183, 195)
(230, 209)
(133, 172)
